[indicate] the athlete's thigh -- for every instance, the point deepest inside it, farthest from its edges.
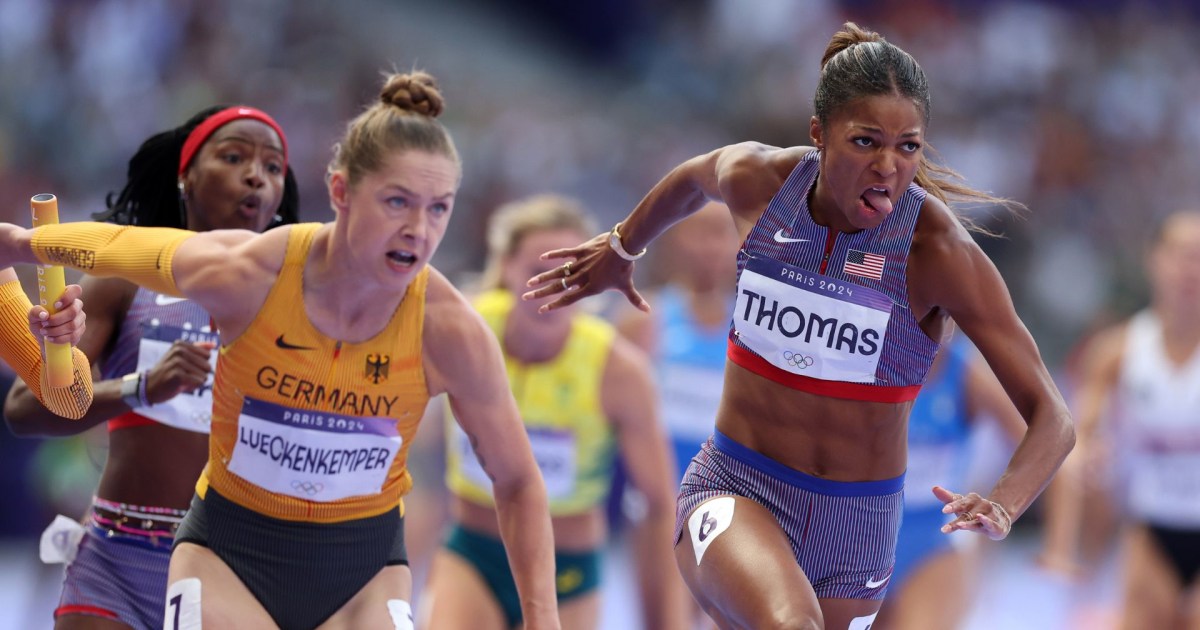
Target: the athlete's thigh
(198, 577)
(933, 597)
(850, 614)
(740, 567)
(88, 622)
(457, 598)
(1192, 609)
(582, 612)
(383, 602)
(1152, 593)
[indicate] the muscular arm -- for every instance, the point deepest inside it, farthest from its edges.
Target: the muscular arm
(986, 397)
(742, 176)
(948, 271)
(23, 352)
(107, 301)
(463, 359)
(631, 404)
(202, 267)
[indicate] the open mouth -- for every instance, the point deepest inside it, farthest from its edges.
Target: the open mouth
(250, 205)
(401, 258)
(877, 199)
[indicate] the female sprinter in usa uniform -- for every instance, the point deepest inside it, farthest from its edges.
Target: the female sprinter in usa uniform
(850, 269)
(333, 338)
(224, 168)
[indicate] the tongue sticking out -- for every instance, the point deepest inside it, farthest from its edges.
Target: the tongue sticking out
(877, 200)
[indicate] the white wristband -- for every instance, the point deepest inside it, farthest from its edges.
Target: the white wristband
(614, 241)
(130, 384)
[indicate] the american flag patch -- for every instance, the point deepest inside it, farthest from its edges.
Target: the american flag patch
(864, 264)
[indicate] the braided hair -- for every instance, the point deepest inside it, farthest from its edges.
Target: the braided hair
(404, 118)
(151, 197)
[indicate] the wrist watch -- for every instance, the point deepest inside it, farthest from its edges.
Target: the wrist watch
(614, 241)
(129, 389)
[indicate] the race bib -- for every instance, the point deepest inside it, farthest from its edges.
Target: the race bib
(313, 455)
(191, 411)
(809, 324)
(553, 450)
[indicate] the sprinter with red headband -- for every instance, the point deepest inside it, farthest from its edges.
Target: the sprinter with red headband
(226, 168)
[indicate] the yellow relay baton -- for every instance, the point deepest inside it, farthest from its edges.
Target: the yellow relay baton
(51, 285)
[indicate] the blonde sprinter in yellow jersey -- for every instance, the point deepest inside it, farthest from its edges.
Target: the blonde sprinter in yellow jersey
(392, 185)
(23, 326)
(584, 393)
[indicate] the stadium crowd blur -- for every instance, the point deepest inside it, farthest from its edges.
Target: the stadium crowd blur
(1088, 112)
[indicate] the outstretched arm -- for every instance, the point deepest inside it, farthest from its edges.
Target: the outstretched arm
(108, 299)
(22, 349)
(948, 271)
(631, 404)
(463, 359)
(742, 176)
(199, 266)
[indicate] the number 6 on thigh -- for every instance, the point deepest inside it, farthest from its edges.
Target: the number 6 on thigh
(709, 520)
(751, 579)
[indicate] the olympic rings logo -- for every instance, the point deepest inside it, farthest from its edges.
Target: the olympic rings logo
(797, 360)
(307, 487)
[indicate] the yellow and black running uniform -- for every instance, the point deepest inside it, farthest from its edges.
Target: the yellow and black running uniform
(302, 493)
(308, 428)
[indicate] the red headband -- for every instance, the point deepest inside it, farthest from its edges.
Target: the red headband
(212, 123)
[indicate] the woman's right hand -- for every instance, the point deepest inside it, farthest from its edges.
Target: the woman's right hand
(590, 269)
(66, 325)
(183, 368)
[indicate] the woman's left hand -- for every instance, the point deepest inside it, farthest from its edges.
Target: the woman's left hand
(591, 269)
(975, 514)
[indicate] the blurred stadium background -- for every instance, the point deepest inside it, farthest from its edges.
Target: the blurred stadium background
(1088, 112)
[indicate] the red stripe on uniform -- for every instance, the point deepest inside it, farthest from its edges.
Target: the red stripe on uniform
(84, 610)
(833, 389)
(128, 420)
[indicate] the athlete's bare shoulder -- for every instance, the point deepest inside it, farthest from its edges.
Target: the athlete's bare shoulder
(457, 343)
(269, 249)
(442, 298)
(758, 160)
(749, 174)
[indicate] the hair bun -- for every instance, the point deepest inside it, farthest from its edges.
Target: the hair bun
(849, 35)
(414, 92)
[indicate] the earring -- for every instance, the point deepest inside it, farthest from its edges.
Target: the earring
(182, 205)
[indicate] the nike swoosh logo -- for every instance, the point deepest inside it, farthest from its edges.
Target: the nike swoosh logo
(780, 238)
(166, 300)
(279, 342)
(877, 584)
